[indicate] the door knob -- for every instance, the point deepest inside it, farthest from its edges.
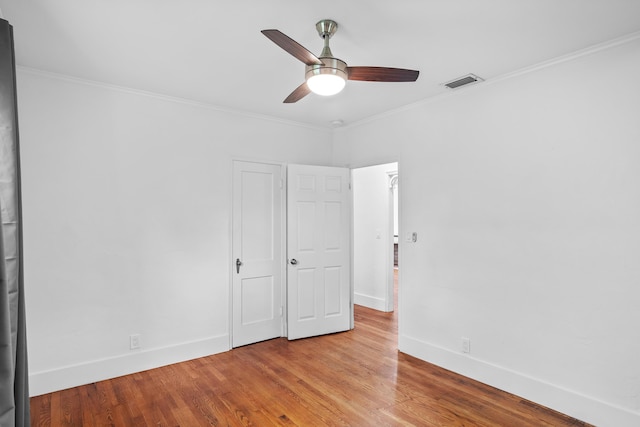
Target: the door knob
(238, 264)
(294, 261)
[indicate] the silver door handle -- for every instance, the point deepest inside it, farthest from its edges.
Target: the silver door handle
(293, 261)
(238, 264)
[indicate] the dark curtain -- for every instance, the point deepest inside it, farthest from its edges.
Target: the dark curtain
(14, 386)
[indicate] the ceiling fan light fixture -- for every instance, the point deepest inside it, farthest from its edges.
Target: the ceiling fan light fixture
(327, 79)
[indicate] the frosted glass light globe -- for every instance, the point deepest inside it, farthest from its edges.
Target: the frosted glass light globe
(325, 84)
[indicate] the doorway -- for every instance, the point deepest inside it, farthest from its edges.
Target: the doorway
(375, 236)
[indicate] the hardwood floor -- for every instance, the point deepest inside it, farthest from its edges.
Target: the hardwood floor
(355, 378)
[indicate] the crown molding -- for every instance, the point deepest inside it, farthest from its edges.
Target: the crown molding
(629, 38)
(163, 97)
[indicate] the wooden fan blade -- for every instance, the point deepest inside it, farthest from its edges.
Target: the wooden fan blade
(292, 46)
(299, 93)
(382, 74)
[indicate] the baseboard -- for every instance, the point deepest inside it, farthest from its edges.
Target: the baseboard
(568, 402)
(369, 301)
(136, 361)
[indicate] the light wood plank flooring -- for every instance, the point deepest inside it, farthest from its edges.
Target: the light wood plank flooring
(355, 378)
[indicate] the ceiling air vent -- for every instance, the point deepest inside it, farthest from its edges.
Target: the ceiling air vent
(463, 81)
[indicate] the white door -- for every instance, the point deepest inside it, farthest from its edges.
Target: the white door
(318, 245)
(258, 252)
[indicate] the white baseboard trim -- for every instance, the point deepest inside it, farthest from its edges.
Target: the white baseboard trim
(369, 301)
(136, 361)
(568, 402)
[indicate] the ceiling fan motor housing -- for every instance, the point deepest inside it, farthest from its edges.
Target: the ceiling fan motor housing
(330, 65)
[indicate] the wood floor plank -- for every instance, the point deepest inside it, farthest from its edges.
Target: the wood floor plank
(41, 412)
(355, 378)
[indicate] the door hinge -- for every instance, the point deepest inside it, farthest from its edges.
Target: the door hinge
(281, 311)
(281, 184)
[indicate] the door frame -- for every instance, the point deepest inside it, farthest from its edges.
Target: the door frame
(393, 189)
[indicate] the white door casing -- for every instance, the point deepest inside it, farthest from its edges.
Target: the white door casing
(318, 246)
(258, 252)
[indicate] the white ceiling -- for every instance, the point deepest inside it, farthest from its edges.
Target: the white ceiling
(212, 51)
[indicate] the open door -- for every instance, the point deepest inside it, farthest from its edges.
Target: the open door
(318, 234)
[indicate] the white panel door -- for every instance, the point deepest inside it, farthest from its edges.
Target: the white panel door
(258, 253)
(318, 238)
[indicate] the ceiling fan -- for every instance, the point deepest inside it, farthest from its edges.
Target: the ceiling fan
(327, 75)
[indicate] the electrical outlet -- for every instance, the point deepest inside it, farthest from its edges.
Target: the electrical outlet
(466, 345)
(134, 341)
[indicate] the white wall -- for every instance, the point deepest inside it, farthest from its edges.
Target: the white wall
(372, 236)
(127, 224)
(525, 194)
